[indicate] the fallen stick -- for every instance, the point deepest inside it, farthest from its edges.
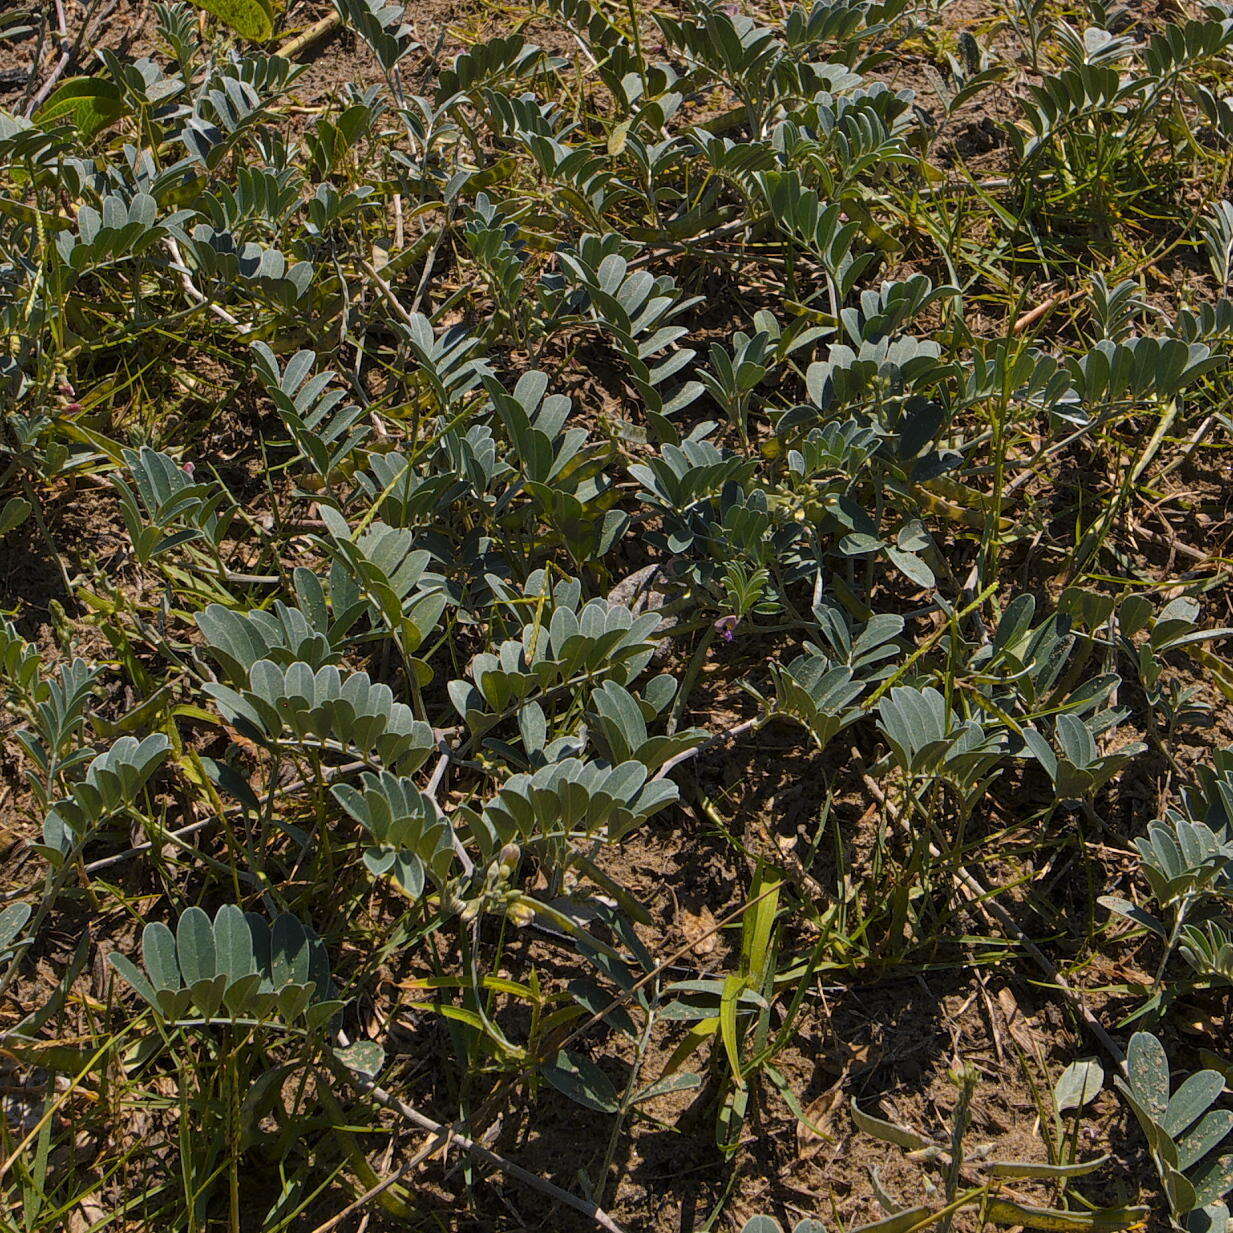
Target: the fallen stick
(448, 1135)
(433, 1143)
(310, 35)
(719, 738)
(194, 293)
(1032, 316)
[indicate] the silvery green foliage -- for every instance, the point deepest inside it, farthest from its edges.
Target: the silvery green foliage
(535, 421)
(1217, 111)
(1208, 949)
(560, 472)
(53, 741)
(310, 633)
(567, 645)
(410, 494)
(868, 648)
(848, 374)
(385, 566)
(750, 57)
(111, 782)
(1181, 858)
(577, 169)
(768, 1224)
(773, 70)
(143, 83)
(176, 27)
(820, 226)
(259, 195)
(1080, 91)
(519, 118)
(12, 921)
(928, 738)
(218, 256)
(617, 724)
(735, 372)
(966, 75)
(1114, 309)
(20, 668)
(324, 432)
(121, 229)
(1021, 664)
(684, 475)
(1211, 322)
(739, 163)
(494, 243)
(448, 362)
(1188, 868)
(410, 838)
(635, 312)
(1078, 769)
(505, 58)
(1174, 627)
(231, 103)
(570, 802)
(1078, 1085)
(1180, 46)
(170, 507)
(1184, 1133)
(819, 694)
(237, 967)
(1210, 799)
(903, 546)
(1138, 367)
(848, 137)
(381, 26)
(78, 788)
(326, 710)
(883, 311)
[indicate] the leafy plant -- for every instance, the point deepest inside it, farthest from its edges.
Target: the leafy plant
(1183, 1132)
(425, 496)
(238, 966)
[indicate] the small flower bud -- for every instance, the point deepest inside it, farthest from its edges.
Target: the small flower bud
(519, 915)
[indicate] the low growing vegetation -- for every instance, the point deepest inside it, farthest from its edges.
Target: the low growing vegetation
(616, 616)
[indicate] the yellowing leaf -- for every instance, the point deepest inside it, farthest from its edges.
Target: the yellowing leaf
(1104, 1220)
(88, 103)
(253, 19)
(734, 985)
(619, 136)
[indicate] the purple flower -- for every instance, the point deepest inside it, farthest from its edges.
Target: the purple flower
(726, 626)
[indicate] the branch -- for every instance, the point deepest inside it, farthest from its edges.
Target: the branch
(448, 1134)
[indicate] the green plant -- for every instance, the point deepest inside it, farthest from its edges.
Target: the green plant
(1183, 1132)
(237, 967)
(645, 537)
